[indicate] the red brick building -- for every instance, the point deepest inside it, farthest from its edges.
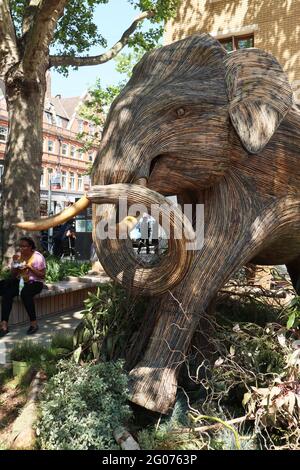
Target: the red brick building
(64, 162)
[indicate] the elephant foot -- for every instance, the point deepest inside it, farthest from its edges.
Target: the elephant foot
(153, 388)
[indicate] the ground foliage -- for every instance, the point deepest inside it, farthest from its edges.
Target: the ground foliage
(244, 394)
(82, 405)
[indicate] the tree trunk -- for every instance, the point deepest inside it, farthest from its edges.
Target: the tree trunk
(23, 158)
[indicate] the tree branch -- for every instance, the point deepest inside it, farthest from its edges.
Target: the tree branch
(8, 42)
(41, 30)
(64, 60)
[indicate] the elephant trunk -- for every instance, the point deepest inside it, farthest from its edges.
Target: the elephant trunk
(116, 254)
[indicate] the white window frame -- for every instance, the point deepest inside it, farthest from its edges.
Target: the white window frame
(3, 133)
(80, 125)
(72, 181)
(80, 154)
(80, 183)
(42, 181)
(64, 180)
(73, 151)
(91, 128)
(49, 117)
(58, 121)
(50, 147)
(64, 149)
(49, 176)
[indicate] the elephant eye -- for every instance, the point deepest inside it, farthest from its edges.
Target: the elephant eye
(180, 112)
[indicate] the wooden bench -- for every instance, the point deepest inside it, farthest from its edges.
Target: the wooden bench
(57, 298)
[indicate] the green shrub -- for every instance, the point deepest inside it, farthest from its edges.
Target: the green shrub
(57, 270)
(106, 328)
(82, 405)
(28, 351)
(62, 340)
(39, 355)
(5, 273)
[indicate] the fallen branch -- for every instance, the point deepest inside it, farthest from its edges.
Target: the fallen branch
(213, 427)
(253, 291)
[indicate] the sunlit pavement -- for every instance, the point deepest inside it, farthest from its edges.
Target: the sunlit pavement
(61, 323)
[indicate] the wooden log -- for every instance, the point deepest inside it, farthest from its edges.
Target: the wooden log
(23, 433)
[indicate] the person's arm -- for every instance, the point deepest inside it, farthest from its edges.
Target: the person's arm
(15, 271)
(40, 269)
(36, 272)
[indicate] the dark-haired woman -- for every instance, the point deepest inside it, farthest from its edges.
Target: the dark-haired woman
(28, 270)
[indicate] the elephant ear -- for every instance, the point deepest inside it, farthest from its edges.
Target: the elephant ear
(259, 95)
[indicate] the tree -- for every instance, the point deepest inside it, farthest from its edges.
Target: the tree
(98, 101)
(28, 28)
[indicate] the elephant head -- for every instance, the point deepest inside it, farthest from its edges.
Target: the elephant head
(213, 128)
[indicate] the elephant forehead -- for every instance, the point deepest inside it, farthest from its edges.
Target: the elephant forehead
(185, 56)
(173, 93)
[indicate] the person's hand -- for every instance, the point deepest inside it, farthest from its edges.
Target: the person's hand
(24, 267)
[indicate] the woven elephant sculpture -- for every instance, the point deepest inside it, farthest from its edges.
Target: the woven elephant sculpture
(215, 129)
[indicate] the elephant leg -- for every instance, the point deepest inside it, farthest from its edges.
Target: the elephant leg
(236, 226)
(294, 271)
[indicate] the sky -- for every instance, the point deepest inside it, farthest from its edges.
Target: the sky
(113, 19)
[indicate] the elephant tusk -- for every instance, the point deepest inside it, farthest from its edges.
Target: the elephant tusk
(57, 219)
(128, 223)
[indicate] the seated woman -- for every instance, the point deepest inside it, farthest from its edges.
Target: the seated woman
(28, 270)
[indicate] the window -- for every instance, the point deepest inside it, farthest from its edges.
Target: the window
(237, 42)
(3, 134)
(90, 157)
(86, 182)
(72, 151)
(64, 149)
(80, 125)
(80, 183)
(80, 154)
(1, 172)
(50, 146)
(58, 121)
(72, 181)
(42, 182)
(49, 117)
(64, 180)
(91, 128)
(50, 171)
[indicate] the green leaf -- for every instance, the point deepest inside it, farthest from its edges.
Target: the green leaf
(95, 350)
(291, 320)
(77, 354)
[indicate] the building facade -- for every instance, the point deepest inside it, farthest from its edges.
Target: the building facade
(272, 25)
(65, 162)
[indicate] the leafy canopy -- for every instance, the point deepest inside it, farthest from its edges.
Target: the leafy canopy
(77, 32)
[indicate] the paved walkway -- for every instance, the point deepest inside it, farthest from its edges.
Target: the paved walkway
(64, 322)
